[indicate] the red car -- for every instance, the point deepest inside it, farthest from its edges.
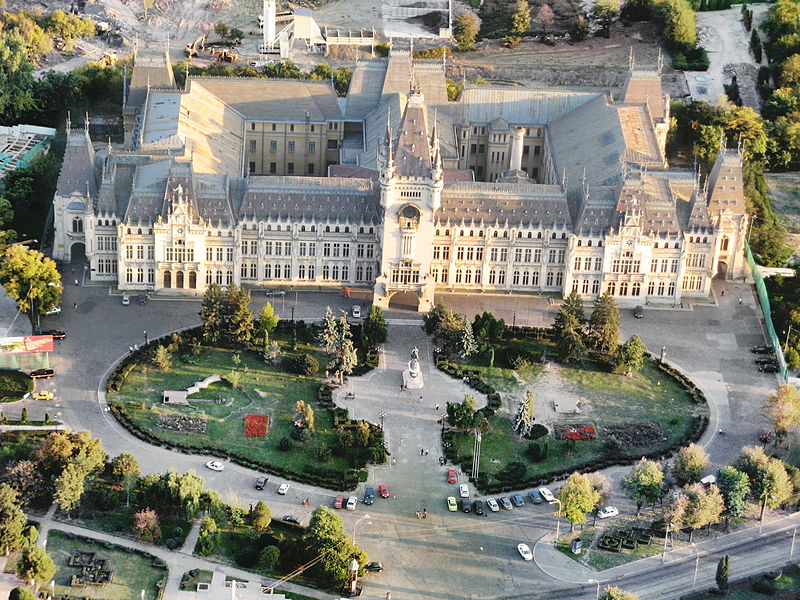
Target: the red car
(338, 502)
(451, 476)
(383, 490)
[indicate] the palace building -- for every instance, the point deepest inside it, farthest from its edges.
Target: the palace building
(280, 183)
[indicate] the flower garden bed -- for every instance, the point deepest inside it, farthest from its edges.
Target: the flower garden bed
(256, 425)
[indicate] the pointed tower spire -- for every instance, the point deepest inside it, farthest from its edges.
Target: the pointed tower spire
(435, 134)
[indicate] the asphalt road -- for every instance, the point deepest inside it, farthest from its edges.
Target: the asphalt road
(447, 555)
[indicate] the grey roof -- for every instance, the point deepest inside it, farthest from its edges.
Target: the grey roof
(597, 213)
(77, 170)
(287, 100)
(644, 87)
(413, 153)
(518, 106)
(311, 199)
(151, 68)
(147, 193)
(161, 118)
(588, 140)
(523, 204)
(662, 202)
(365, 90)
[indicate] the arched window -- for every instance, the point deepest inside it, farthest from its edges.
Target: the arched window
(553, 236)
(167, 279)
(575, 286)
(347, 230)
(459, 275)
(371, 230)
(437, 231)
(539, 235)
(677, 245)
(327, 229)
(515, 278)
(596, 286)
(219, 277)
(314, 228)
(600, 243)
(471, 233)
(179, 280)
(705, 240)
(660, 288)
(505, 234)
(361, 230)
(530, 234)
(209, 278)
(563, 236)
(585, 289)
(589, 243)
(725, 242)
(637, 288)
(494, 234)
(192, 280)
(612, 288)
(140, 275)
(139, 231)
(651, 287)
(579, 243)
(671, 291)
(519, 234)
(151, 275)
(655, 245)
(302, 227)
(229, 278)
(468, 276)
(336, 229)
(480, 233)
(99, 222)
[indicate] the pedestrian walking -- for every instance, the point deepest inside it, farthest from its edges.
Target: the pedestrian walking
(76, 282)
(426, 453)
(722, 293)
(74, 306)
(420, 397)
(437, 407)
(740, 300)
(421, 451)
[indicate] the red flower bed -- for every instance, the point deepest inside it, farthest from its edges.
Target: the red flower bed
(256, 425)
(575, 432)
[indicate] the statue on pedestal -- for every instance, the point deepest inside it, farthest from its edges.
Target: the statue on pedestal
(412, 377)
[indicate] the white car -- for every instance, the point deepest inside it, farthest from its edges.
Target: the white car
(215, 465)
(608, 511)
(283, 488)
(547, 495)
(126, 300)
(356, 311)
(54, 310)
(463, 490)
(351, 503)
(492, 504)
(524, 551)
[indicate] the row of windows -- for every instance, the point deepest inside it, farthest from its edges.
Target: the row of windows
(471, 233)
(588, 242)
(139, 250)
(635, 288)
(178, 254)
(274, 126)
(129, 273)
(107, 242)
(693, 282)
(405, 275)
(107, 223)
(584, 287)
(625, 265)
(290, 146)
(107, 266)
(586, 261)
(665, 262)
(696, 260)
(219, 252)
(273, 168)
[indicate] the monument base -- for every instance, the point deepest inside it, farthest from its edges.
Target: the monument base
(412, 383)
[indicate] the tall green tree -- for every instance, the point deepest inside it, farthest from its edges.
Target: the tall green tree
(783, 408)
(35, 565)
(520, 19)
(30, 278)
(723, 572)
(325, 536)
(345, 357)
(753, 462)
(569, 344)
(603, 329)
(212, 314)
(237, 328)
(468, 345)
(630, 356)
(570, 315)
(614, 593)
(21, 593)
(578, 497)
(208, 539)
(776, 485)
(70, 487)
(261, 516)
(329, 333)
(12, 519)
(374, 327)
(689, 464)
(124, 464)
(734, 487)
(678, 22)
(465, 31)
(267, 322)
(16, 77)
(63, 447)
(604, 13)
(704, 508)
(26, 478)
(643, 484)
(602, 485)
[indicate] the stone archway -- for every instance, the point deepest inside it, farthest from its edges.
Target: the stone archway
(405, 301)
(179, 280)
(77, 252)
(722, 270)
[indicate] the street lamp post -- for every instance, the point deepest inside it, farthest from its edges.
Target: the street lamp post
(786, 343)
(514, 320)
(791, 550)
(696, 564)
(666, 537)
(382, 415)
(597, 594)
(558, 520)
(476, 454)
(146, 338)
(355, 525)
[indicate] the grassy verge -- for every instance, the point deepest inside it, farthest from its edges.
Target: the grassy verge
(190, 579)
(133, 572)
(789, 581)
(119, 522)
(14, 385)
(600, 560)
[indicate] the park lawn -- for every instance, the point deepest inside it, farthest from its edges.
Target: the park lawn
(265, 389)
(14, 385)
(132, 572)
(788, 582)
(648, 396)
(120, 522)
(599, 560)
(19, 445)
(190, 579)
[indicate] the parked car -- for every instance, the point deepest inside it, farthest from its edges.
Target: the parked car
(451, 476)
(275, 293)
(383, 490)
(141, 299)
(369, 496)
(506, 503)
(524, 551)
(338, 502)
(477, 507)
(547, 495)
(282, 489)
(215, 465)
(54, 310)
(43, 395)
(373, 567)
(290, 519)
(492, 504)
(352, 501)
(452, 506)
(464, 505)
(762, 350)
(766, 359)
(638, 312)
(42, 373)
(261, 482)
(57, 335)
(535, 497)
(516, 500)
(356, 311)
(463, 490)
(608, 511)
(708, 481)
(126, 300)
(769, 368)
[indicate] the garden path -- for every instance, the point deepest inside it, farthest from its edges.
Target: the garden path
(191, 540)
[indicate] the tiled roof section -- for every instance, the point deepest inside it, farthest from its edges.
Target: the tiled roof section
(280, 100)
(150, 68)
(512, 203)
(644, 87)
(365, 89)
(590, 141)
(663, 201)
(115, 190)
(726, 188)
(597, 213)
(77, 170)
(413, 153)
(518, 106)
(211, 196)
(350, 171)
(640, 140)
(161, 119)
(456, 175)
(147, 193)
(311, 198)
(391, 108)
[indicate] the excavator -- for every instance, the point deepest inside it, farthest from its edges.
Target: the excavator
(196, 47)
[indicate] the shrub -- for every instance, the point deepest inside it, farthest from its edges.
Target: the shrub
(538, 430)
(285, 444)
(305, 364)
